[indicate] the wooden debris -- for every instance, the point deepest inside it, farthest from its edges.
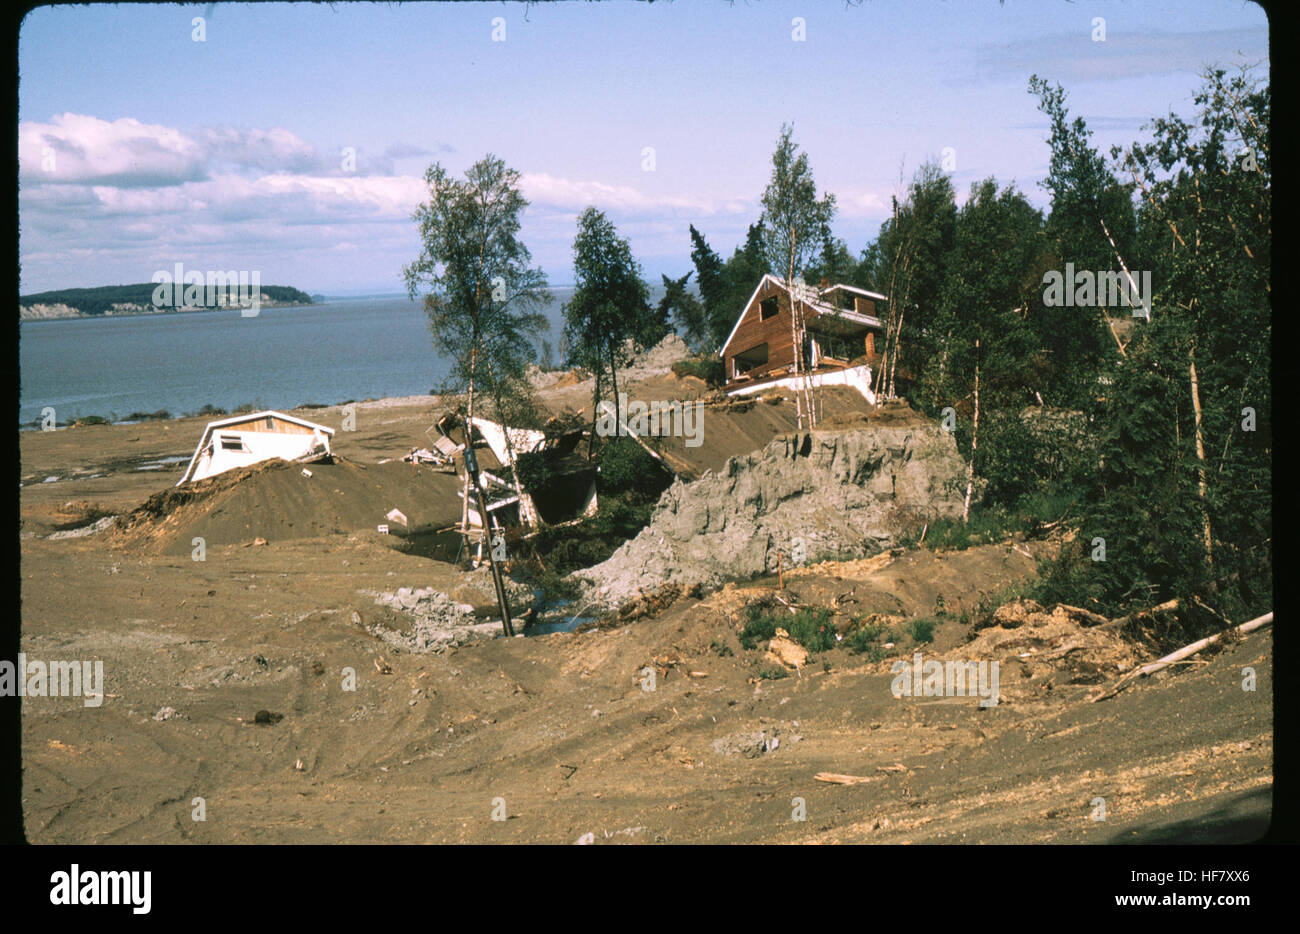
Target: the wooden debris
(834, 778)
(1174, 657)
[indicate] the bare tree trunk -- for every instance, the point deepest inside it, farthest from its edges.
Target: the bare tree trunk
(618, 411)
(595, 412)
(510, 446)
(974, 438)
(1123, 352)
(1200, 460)
(469, 443)
(893, 362)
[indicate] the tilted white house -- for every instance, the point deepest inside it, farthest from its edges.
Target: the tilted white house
(247, 439)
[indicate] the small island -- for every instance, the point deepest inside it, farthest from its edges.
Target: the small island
(114, 300)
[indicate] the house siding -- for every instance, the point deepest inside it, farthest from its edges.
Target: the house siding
(753, 332)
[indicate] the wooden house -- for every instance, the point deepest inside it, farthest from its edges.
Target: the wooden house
(840, 329)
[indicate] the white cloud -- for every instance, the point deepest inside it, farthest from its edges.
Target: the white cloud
(542, 188)
(75, 148)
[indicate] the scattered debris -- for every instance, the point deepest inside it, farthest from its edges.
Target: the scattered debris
(835, 778)
(1185, 652)
(784, 651)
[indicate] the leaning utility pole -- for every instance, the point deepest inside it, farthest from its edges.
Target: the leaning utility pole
(472, 476)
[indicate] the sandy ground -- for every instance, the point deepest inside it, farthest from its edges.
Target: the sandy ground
(555, 736)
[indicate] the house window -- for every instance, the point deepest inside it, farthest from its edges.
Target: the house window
(767, 308)
(749, 359)
(232, 443)
(836, 347)
(270, 423)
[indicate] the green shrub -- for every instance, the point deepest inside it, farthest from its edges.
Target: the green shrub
(626, 467)
(812, 628)
(864, 638)
(759, 627)
(770, 672)
(720, 648)
(922, 630)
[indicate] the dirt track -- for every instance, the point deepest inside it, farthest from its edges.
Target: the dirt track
(559, 726)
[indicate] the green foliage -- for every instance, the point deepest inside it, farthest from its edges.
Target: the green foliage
(684, 310)
(726, 286)
(770, 672)
(1203, 228)
(481, 296)
(795, 221)
(922, 630)
(535, 469)
(864, 639)
(907, 263)
(813, 629)
(593, 540)
(610, 303)
(626, 467)
(720, 648)
(760, 625)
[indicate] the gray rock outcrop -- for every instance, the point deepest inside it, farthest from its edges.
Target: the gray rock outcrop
(815, 495)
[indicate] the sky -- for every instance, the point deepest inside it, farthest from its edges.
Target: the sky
(292, 139)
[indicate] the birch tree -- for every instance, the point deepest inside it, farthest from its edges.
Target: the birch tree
(480, 293)
(795, 222)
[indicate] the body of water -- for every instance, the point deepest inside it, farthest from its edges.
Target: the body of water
(325, 353)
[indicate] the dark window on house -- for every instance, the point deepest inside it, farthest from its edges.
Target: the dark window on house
(749, 359)
(767, 308)
(270, 422)
(229, 443)
(838, 347)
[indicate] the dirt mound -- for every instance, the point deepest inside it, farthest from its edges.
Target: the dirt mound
(815, 494)
(275, 501)
(1042, 649)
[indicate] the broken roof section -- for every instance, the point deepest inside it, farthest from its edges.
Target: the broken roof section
(242, 440)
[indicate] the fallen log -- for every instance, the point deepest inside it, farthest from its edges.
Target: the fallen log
(834, 778)
(1093, 619)
(1123, 621)
(1186, 651)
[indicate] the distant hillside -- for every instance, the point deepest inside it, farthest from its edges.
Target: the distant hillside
(138, 299)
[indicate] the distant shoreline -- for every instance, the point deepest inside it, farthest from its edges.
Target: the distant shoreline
(66, 312)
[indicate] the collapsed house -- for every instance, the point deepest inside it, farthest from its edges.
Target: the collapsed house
(242, 440)
(834, 329)
(567, 485)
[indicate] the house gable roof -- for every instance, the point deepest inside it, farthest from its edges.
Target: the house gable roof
(819, 306)
(741, 317)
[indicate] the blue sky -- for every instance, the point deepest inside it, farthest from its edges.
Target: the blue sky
(140, 147)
